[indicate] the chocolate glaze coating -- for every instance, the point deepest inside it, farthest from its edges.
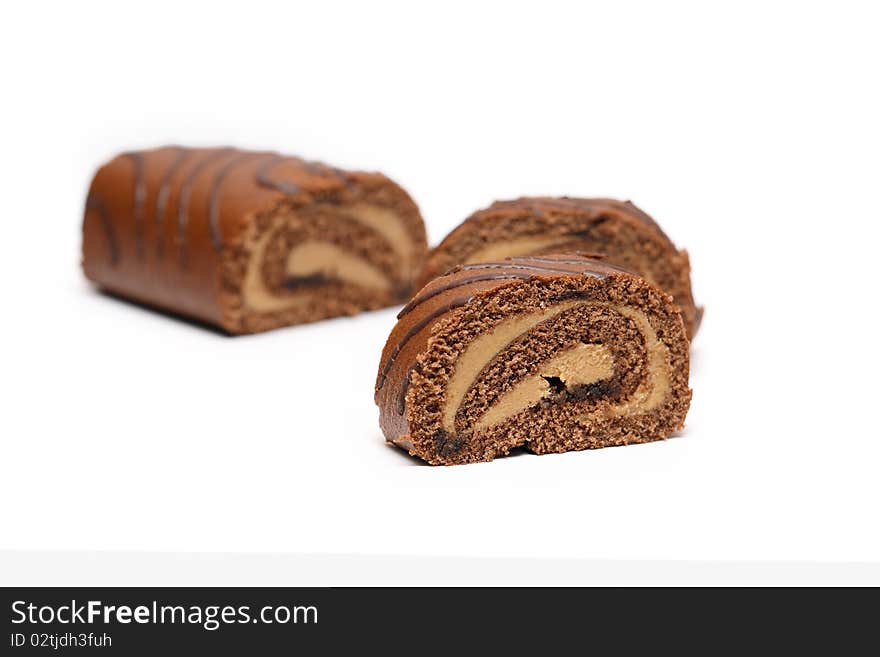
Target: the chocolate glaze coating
(443, 295)
(157, 222)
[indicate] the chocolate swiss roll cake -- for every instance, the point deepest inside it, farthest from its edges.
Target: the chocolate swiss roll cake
(555, 353)
(619, 231)
(249, 241)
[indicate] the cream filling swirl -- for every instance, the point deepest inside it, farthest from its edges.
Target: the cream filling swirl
(583, 364)
(317, 258)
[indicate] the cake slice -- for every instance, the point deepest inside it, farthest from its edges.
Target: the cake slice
(619, 231)
(249, 241)
(555, 353)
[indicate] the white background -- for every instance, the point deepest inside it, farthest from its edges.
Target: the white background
(749, 131)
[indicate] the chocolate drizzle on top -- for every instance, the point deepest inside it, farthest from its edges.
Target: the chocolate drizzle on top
(214, 198)
(175, 188)
(164, 191)
(186, 191)
(415, 328)
(264, 179)
(516, 263)
(518, 268)
(138, 200)
(426, 294)
(598, 210)
(583, 260)
(321, 169)
(578, 261)
(96, 204)
(522, 263)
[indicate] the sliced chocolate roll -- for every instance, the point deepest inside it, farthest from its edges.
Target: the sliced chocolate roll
(619, 231)
(249, 241)
(556, 353)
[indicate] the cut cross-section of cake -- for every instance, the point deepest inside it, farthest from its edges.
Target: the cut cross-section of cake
(555, 352)
(249, 241)
(622, 233)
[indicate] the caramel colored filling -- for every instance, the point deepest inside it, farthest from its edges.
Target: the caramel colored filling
(256, 296)
(483, 349)
(655, 386)
(581, 365)
(324, 260)
(329, 261)
(515, 247)
(388, 225)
